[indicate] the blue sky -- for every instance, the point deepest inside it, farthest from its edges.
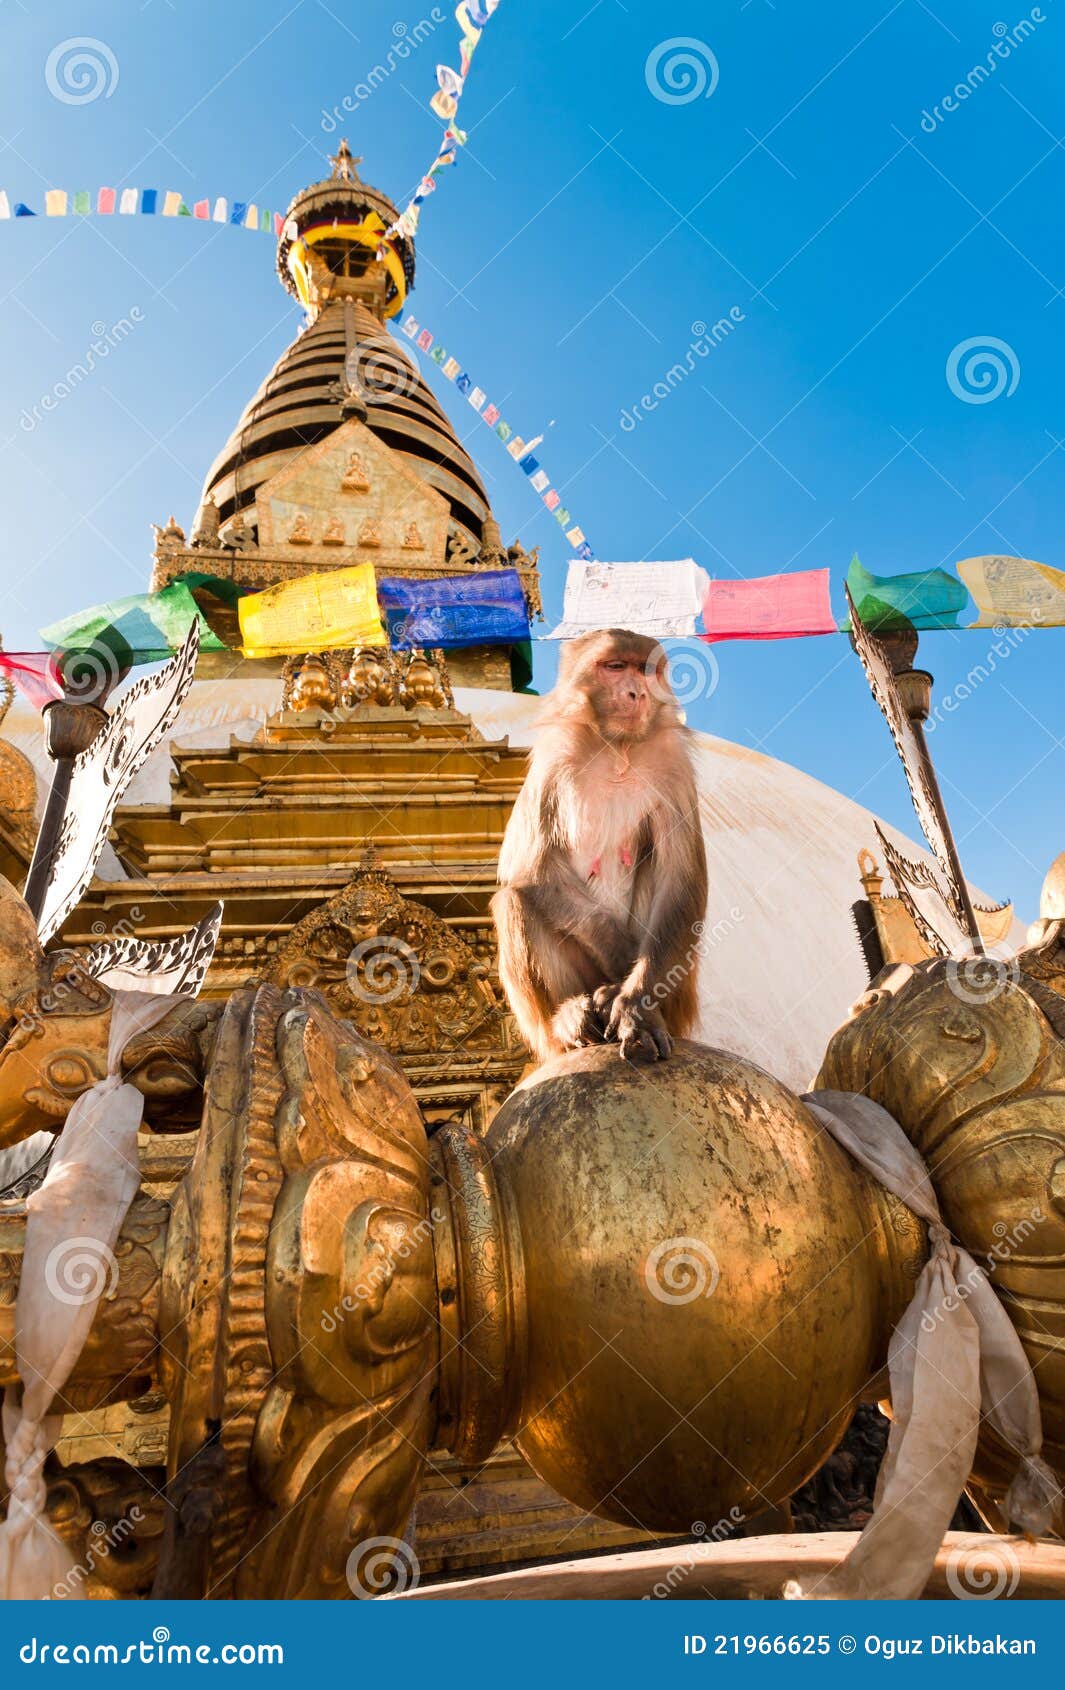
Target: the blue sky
(565, 260)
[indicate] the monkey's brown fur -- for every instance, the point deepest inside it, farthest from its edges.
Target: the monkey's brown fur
(602, 871)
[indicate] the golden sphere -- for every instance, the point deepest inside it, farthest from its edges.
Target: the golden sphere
(709, 1281)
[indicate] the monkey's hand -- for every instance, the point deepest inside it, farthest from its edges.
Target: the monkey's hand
(638, 1028)
(577, 1022)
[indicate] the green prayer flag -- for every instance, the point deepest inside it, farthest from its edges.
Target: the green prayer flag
(217, 599)
(927, 598)
(82, 203)
(144, 628)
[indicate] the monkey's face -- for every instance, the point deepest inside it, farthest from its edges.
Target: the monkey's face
(624, 696)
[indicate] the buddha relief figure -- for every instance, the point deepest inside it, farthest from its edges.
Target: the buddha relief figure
(300, 534)
(334, 532)
(370, 532)
(412, 538)
(355, 479)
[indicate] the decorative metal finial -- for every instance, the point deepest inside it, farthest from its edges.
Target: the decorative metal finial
(343, 163)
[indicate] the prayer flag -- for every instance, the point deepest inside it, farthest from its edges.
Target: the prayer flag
(529, 465)
(503, 430)
(5, 209)
(551, 498)
(172, 203)
(659, 599)
(148, 199)
(574, 536)
(35, 673)
(264, 222)
(477, 397)
(562, 516)
(584, 551)
(82, 203)
(236, 216)
(337, 607)
(1014, 592)
(251, 216)
(279, 224)
(105, 202)
(139, 629)
(517, 448)
(451, 368)
(928, 598)
(438, 354)
(490, 414)
(55, 202)
(486, 607)
(22, 210)
(773, 607)
(221, 210)
(540, 479)
(202, 209)
(410, 327)
(463, 382)
(425, 340)
(127, 204)
(183, 210)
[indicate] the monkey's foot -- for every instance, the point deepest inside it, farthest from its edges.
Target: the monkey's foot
(639, 1029)
(577, 1022)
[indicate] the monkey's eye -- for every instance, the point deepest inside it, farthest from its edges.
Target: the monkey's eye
(617, 667)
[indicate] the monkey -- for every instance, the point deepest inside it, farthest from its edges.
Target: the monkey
(602, 870)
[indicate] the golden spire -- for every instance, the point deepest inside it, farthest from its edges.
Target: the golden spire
(343, 164)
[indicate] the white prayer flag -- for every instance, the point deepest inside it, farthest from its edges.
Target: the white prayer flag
(127, 205)
(658, 599)
(221, 211)
(5, 209)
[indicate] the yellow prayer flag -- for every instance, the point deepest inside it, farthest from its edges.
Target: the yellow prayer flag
(337, 607)
(55, 202)
(172, 203)
(1014, 592)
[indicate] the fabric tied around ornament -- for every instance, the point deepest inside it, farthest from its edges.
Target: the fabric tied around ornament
(953, 1358)
(72, 1225)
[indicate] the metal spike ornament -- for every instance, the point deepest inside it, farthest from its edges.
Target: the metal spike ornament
(96, 757)
(905, 713)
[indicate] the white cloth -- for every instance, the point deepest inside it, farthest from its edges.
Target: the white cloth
(72, 1225)
(658, 599)
(953, 1357)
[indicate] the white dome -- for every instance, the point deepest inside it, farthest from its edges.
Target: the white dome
(781, 959)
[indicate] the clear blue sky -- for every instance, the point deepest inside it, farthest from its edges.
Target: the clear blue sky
(565, 260)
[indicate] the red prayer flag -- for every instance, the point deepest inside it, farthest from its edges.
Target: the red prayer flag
(105, 202)
(35, 673)
(774, 607)
(202, 208)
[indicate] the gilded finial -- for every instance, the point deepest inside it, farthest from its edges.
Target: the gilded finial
(343, 164)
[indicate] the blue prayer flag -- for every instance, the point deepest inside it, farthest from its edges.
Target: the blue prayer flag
(24, 210)
(529, 465)
(463, 382)
(148, 199)
(585, 551)
(483, 608)
(239, 211)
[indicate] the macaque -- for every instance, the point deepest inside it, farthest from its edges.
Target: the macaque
(602, 871)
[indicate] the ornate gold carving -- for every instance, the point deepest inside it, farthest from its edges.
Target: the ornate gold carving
(333, 533)
(370, 532)
(412, 538)
(310, 682)
(372, 678)
(394, 969)
(424, 681)
(300, 533)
